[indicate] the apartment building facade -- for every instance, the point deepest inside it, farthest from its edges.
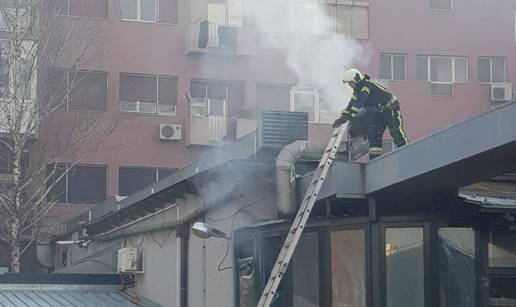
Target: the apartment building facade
(182, 85)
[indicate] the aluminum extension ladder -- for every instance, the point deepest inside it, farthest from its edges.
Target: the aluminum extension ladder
(294, 234)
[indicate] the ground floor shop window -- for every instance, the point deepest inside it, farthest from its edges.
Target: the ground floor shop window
(502, 268)
(348, 268)
(456, 267)
(404, 267)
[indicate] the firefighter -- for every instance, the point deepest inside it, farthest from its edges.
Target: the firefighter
(381, 109)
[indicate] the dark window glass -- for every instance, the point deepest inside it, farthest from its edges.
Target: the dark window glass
(398, 67)
(484, 70)
(273, 97)
(198, 89)
(138, 88)
(167, 94)
(271, 247)
(165, 172)
(216, 91)
(305, 272)
(86, 185)
(404, 267)
(385, 67)
(133, 179)
(502, 249)
(57, 184)
(348, 268)
(422, 68)
(88, 91)
(502, 291)
(90, 8)
(57, 83)
(457, 267)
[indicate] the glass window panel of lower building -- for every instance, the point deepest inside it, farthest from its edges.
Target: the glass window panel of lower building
(502, 249)
(404, 259)
(305, 272)
(348, 268)
(457, 267)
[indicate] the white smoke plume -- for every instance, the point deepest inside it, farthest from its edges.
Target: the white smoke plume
(304, 33)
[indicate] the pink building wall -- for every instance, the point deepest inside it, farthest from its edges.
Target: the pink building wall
(473, 28)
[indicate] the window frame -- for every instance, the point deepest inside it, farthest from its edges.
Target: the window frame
(491, 65)
(138, 12)
(359, 3)
(68, 89)
(56, 13)
(205, 102)
(316, 110)
(452, 7)
(157, 112)
(68, 169)
(392, 55)
(155, 169)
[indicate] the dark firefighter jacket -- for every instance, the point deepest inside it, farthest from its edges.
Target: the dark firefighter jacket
(370, 95)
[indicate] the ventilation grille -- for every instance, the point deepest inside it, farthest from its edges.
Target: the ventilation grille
(278, 129)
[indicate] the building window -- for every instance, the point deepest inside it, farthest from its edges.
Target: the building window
(163, 11)
(442, 72)
(441, 4)
(15, 10)
(225, 12)
(348, 268)
(148, 94)
(133, 179)
(350, 20)
(80, 184)
(139, 10)
(78, 89)
(216, 98)
(317, 103)
(273, 97)
(492, 69)
(502, 249)
(404, 267)
(457, 279)
(90, 8)
(392, 67)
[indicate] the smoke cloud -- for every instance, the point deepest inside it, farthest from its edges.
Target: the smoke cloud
(304, 33)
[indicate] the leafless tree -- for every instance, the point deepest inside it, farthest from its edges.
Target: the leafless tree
(44, 57)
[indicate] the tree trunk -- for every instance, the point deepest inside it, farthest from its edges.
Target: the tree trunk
(14, 246)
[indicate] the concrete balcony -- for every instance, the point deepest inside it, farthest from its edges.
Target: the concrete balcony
(218, 130)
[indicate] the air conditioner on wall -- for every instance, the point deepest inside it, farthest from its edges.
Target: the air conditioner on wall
(168, 132)
(130, 260)
(501, 92)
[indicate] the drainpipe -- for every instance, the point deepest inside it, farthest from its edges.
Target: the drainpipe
(286, 191)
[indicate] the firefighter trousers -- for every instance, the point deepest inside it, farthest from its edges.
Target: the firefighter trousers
(390, 118)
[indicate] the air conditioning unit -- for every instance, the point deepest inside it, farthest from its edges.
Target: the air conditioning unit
(169, 132)
(501, 92)
(130, 260)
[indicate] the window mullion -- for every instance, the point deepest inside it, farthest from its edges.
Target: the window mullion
(491, 70)
(428, 74)
(138, 8)
(157, 94)
(453, 69)
(392, 66)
